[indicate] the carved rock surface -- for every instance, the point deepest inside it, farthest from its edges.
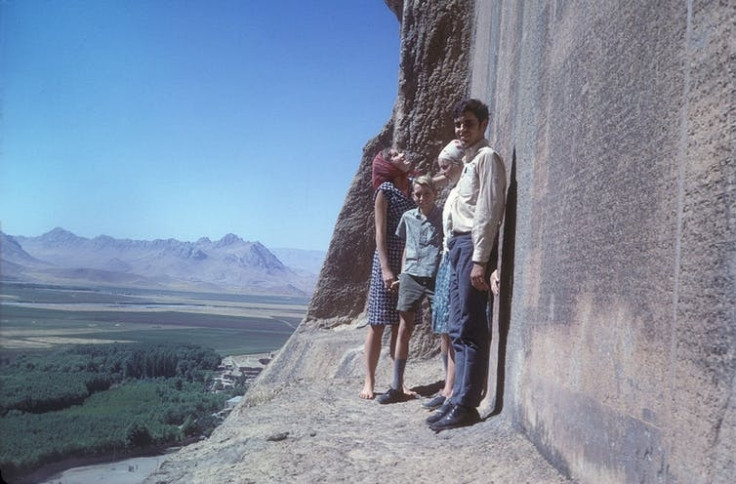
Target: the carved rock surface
(617, 124)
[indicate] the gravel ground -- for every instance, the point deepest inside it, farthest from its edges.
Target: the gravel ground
(312, 428)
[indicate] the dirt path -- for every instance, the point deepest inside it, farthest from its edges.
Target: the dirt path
(297, 429)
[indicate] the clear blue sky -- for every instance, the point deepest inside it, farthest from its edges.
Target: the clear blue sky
(155, 119)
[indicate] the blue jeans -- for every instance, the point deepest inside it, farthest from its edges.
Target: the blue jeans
(469, 326)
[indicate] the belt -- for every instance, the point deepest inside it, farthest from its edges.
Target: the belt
(456, 233)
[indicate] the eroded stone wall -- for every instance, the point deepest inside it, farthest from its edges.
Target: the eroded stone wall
(434, 38)
(617, 121)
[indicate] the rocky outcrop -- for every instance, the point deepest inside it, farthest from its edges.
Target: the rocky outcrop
(435, 41)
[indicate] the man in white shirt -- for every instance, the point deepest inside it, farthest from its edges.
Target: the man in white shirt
(475, 216)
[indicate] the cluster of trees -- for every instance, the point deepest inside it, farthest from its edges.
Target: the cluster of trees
(103, 399)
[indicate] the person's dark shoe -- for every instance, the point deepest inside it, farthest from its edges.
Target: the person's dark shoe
(440, 412)
(435, 403)
(392, 396)
(457, 417)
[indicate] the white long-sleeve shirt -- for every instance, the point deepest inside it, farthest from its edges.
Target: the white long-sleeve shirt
(481, 197)
(447, 218)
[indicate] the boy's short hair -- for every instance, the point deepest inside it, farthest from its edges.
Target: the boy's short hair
(474, 106)
(426, 181)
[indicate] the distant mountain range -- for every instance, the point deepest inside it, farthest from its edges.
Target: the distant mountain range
(228, 264)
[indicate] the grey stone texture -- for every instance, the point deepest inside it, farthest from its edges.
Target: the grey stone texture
(617, 121)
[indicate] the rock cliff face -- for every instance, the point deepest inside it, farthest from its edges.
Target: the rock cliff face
(615, 333)
(617, 121)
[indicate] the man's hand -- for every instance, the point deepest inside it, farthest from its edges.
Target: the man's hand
(478, 276)
(495, 283)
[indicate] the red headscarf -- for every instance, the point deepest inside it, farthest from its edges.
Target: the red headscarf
(384, 170)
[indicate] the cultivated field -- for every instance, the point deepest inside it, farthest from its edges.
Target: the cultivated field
(38, 317)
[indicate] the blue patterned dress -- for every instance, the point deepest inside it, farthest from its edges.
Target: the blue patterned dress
(382, 303)
(441, 301)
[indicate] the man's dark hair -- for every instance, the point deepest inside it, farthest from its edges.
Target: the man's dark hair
(474, 106)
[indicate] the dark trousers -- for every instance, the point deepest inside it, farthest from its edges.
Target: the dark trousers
(469, 326)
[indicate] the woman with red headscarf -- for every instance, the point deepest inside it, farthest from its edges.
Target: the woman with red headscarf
(391, 199)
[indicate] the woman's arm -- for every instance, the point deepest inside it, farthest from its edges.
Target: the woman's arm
(381, 215)
(440, 181)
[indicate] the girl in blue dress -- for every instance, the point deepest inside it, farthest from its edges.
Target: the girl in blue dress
(450, 162)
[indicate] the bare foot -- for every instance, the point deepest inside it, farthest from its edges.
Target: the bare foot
(367, 393)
